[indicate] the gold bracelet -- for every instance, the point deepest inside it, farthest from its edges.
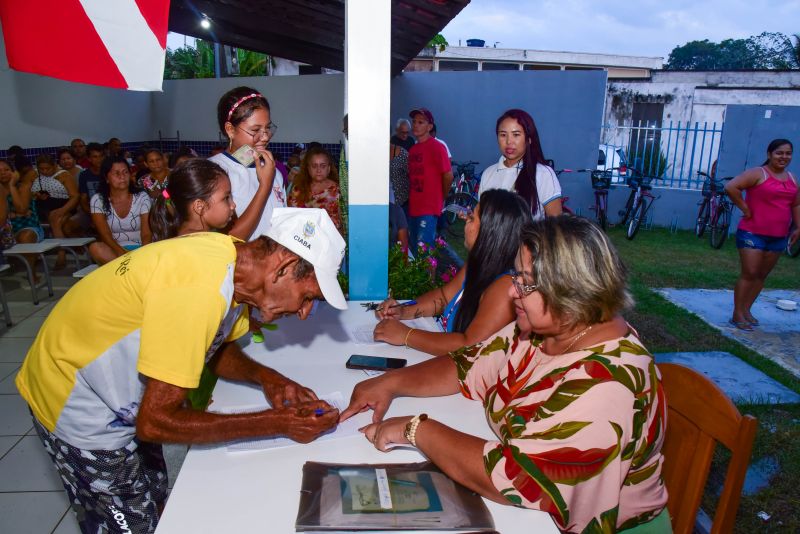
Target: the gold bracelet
(411, 428)
(408, 334)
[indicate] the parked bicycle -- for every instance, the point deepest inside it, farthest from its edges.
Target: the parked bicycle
(715, 211)
(639, 203)
(463, 196)
(601, 183)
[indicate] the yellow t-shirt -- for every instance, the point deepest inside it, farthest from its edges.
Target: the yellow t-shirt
(160, 311)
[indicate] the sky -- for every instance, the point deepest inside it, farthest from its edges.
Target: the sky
(640, 28)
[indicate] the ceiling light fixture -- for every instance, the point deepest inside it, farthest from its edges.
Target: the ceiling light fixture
(205, 23)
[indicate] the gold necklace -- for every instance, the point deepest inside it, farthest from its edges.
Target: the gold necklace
(576, 338)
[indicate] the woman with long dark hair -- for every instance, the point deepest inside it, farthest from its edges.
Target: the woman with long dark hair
(771, 202)
(522, 167)
(475, 303)
(120, 212)
(196, 199)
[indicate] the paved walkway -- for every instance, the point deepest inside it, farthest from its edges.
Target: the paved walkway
(778, 336)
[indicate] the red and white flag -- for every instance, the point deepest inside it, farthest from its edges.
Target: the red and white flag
(114, 43)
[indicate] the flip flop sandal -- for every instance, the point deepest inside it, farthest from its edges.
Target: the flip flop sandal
(753, 321)
(741, 325)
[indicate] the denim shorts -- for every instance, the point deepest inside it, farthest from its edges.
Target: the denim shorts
(766, 243)
(38, 230)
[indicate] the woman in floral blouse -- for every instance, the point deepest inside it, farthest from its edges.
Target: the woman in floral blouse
(317, 185)
(570, 392)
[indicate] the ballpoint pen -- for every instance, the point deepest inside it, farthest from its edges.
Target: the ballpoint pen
(409, 303)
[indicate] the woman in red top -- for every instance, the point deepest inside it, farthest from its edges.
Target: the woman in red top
(771, 203)
(317, 184)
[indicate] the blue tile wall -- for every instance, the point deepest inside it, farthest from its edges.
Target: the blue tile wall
(203, 148)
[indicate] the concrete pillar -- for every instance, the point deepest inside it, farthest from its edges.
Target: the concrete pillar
(368, 30)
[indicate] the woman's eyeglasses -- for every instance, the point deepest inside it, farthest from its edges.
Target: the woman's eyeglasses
(523, 290)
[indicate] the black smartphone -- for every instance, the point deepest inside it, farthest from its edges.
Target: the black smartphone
(375, 363)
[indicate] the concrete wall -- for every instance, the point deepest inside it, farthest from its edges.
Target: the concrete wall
(39, 111)
(305, 108)
(566, 106)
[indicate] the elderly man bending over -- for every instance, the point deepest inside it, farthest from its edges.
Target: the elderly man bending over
(114, 361)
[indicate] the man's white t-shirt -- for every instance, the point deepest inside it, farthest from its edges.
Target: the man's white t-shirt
(498, 176)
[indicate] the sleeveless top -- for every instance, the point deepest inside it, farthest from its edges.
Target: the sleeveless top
(448, 318)
(770, 204)
(50, 185)
(20, 221)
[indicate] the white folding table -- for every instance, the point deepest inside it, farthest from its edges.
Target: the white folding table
(219, 490)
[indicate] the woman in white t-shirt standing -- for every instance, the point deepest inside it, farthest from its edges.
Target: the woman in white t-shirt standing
(522, 165)
(243, 115)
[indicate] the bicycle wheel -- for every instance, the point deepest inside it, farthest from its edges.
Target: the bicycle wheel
(702, 217)
(638, 213)
(600, 208)
(719, 226)
(626, 213)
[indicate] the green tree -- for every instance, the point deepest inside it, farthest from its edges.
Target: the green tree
(252, 63)
(438, 42)
(768, 50)
(190, 62)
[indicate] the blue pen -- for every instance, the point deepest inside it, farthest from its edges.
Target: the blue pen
(409, 303)
(319, 411)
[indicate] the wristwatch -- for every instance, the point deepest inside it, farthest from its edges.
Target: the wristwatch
(411, 428)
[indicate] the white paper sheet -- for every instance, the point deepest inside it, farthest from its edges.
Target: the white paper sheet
(346, 429)
(361, 334)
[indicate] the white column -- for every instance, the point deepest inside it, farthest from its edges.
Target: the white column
(368, 31)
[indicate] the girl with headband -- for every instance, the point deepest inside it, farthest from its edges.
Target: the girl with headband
(243, 115)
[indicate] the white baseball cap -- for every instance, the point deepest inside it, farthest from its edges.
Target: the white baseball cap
(310, 233)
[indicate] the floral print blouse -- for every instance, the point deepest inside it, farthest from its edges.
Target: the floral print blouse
(327, 199)
(579, 435)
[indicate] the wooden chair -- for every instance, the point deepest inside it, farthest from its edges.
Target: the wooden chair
(699, 416)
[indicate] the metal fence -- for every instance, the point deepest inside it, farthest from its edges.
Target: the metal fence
(673, 154)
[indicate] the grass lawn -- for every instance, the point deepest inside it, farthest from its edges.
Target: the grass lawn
(658, 258)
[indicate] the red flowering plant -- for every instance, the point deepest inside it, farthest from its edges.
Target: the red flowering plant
(411, 276)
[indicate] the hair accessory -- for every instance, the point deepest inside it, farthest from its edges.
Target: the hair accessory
(165, 193)
(241, 101)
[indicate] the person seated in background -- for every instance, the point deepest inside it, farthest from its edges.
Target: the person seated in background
(78, 147)
(66, 160)
(156, 180)
(181, 155)
(120, 213)
(114, 147)
(89, 179)
(476, 302)
(197, 199)
(17, 202)
(317, 184)
(571, 394)
(56, 194)
(20, 163)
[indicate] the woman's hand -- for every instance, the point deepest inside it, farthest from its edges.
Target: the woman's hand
(389, 432)
(388, 309)
(265, 166)
(391, 331)
(15, 178)
(374, 393)
(746, 212)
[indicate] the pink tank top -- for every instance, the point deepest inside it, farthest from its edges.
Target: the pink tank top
(770, 204)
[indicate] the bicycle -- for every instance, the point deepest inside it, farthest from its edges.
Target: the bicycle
(714, 212)
(601, 183)
(463, 196)
(639, 203)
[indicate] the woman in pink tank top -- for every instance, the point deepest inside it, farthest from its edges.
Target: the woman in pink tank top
(770, 204)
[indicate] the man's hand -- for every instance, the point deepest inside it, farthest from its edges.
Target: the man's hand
(391, 331)
(281, 391)
(372, 393)
(306, 421)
